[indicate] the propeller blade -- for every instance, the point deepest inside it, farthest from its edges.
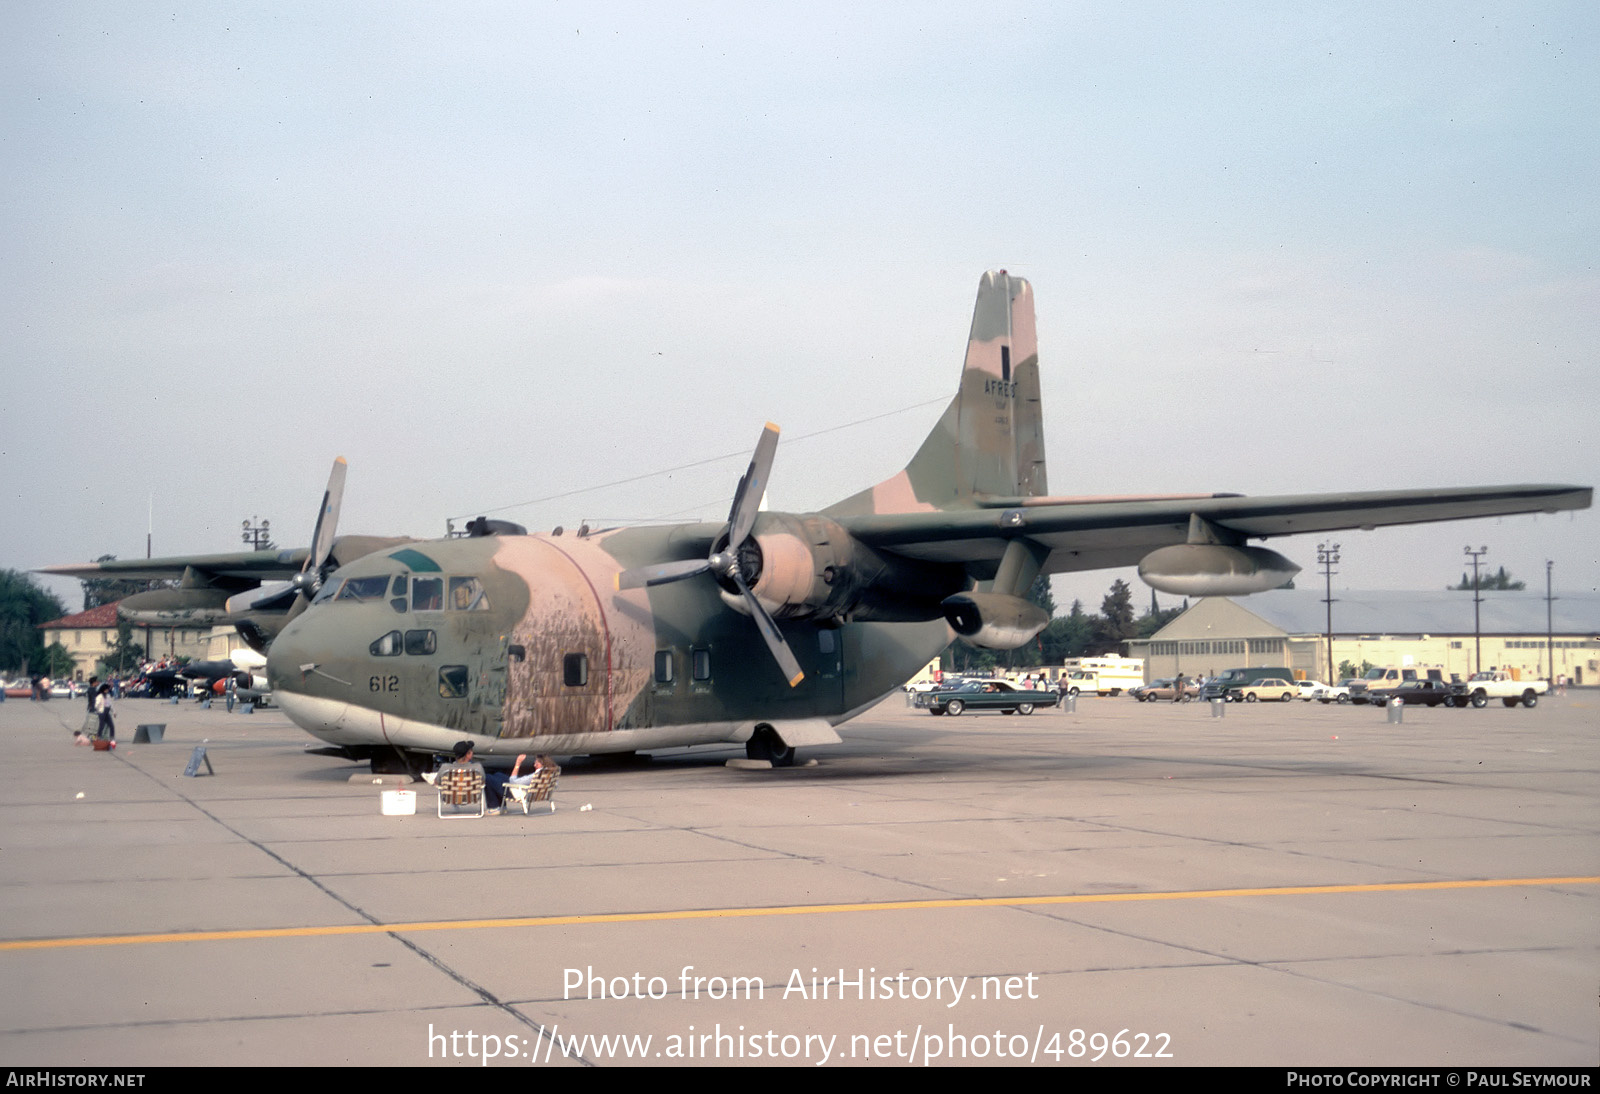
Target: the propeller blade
(273, 597)
(662, 573)
(327, 518)
(747, 499)
(771, 635)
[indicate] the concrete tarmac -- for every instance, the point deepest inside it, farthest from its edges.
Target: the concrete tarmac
(1290, 884)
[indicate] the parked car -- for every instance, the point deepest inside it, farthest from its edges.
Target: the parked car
(986, 695)
(1161, 691)
(1335, 693)
(1430, 693)
(1308, 688)
(1270, 688)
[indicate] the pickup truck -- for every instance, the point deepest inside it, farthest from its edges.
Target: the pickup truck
(1499, 684)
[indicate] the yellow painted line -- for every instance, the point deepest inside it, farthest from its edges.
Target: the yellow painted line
(751, 913)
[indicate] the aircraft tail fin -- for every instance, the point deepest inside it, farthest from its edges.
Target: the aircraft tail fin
(989, 443)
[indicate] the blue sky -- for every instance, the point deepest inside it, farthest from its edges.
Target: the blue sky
(493, 252)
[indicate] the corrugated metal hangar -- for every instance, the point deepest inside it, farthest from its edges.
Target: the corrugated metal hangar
(1287, 627)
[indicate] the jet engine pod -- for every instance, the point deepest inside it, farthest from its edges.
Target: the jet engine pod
(176, 607)
(994, 621)
(1215, 569)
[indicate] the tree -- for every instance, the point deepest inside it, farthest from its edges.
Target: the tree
(1114, 625)
(1066, 636)
(125, 653)
(23, 607)
(1500, 579)
(58, 661)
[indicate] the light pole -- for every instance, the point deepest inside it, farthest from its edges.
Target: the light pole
(1477, 598)
(1549, 630)
(258, 536)
(1327, 557)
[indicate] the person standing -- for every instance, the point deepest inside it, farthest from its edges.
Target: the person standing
(107, 729)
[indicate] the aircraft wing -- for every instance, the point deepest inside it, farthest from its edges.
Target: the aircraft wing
(241, 568)
(1089, 534)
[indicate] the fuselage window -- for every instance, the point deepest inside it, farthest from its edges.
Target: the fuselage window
(467, 595)
(453, 681)
(421, 642)
(575, 670)
(663, 666)
(387, 646)
(702, 664)
(827, 642)
(364, 588)
(427, 594)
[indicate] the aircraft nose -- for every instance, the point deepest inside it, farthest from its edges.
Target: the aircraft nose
(286, 657)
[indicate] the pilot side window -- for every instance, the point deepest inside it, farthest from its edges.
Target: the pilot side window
(387, 646)
(399, 594)
(575, 670)
(421, 642)
(453, 682)
(664, 666)
(427, 594)
(467, 595)
(701, 664)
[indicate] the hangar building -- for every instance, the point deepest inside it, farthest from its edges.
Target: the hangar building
(1287, 627)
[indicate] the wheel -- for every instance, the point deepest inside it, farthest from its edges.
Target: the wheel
(765, 744)
(1027, 708)
(1343, 700)
(1480, 698)
(1073, 693)
(1530, 699)
(955, 707)
(935, 711)
(1141, 697)
(1285, 697)
(1009, 710)
(1509, 700)
(1250, 698)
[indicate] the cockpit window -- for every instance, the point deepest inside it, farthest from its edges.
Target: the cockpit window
(364, 588)
(467, 595)
(327, 592)
(427, 594)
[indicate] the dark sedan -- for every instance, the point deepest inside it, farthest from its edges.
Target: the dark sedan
(1430, 693)
(986, 695)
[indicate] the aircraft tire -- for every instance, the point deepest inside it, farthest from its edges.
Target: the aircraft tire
(1530, 698)
(765, 744)
(1027, 708)
(955, 707)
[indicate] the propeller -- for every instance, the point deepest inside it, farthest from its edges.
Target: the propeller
(740, 554)
(314, 571)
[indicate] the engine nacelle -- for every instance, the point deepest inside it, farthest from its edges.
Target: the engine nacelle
(809, 567)
(994, 621)
(176, 607)
(1215, 569)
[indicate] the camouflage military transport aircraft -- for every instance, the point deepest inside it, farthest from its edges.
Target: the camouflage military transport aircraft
(769, 629)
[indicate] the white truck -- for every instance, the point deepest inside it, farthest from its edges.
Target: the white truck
(1102, 675)
(1500, 684)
